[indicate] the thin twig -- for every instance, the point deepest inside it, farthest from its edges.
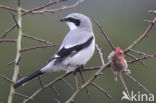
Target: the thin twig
(124, 84)
(21, 95)
(58, 101)
(145, 34)
(13, 16)
(38, 39)
(101, 55)
(102, 90)
(46, 86)
(68, 84)
(58, 9)
(87, 83)
(36, 47)
(135, 58)
(76, 79)
(7, 40)
(12, 62)
(142, 58)
(19, 75)
(138, 83)
(83, 81)
(8, 8)
(7, 31)
(90, 68)
(6, 78)
(138, 52)
(106, 36)
(40, 81)
(56, 92)
(43, 6)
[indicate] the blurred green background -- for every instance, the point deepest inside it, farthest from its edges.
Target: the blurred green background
(123, 20)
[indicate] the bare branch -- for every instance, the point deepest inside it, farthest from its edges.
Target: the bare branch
(90, 68)
(142, 58)
(18, 55)
(59, 9)
(12, 62)
(38, 39)
(8, 8)
(106, 36)
(145, 34)
(34, 11)
(83, 81)
(36, 47)
(102, 90)
(13, 16)
(43, 6)
(68, 84)
(19, 3)
(56, 92)
(135, 58)
(6, 78)
(87, 83)
(19, 75)
(108, 64)
(76, 79)
(139, 52)
(7, 40)
(101, 55)
(21, 95)
(46, 86)
(40, 81)
(7, 31)
(124, 84)
(138, 83)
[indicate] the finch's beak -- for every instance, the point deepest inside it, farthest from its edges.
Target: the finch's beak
(63, 20)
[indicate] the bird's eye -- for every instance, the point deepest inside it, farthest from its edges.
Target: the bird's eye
(73, 20)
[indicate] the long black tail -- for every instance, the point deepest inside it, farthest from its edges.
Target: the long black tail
(22, 81)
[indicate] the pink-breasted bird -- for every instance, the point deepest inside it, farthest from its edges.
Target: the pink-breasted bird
(118, 62)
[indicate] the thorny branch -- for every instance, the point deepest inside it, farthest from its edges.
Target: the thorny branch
(38, 39)
(135, 58)
(18, 23)
(58, 9)
(34, 11)
(40, 10)
(6, 78)
(36, 47)
(102, 90)
(107, 64)
(18, 54)
(138, 83)
(21, 95)
(106, 36)
(7, 40)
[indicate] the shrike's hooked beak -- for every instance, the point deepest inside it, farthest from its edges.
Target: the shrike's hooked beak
(63, 19)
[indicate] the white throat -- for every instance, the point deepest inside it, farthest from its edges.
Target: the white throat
(71, 25)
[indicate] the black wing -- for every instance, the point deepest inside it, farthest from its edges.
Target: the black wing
(62, 53)
(66, 52)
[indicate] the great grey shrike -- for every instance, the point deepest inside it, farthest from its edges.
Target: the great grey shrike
(75, 51)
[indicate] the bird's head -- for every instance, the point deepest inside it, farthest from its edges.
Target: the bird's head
(77, 20)
(118, 51)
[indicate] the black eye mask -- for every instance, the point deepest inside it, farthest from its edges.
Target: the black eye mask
(75, 21)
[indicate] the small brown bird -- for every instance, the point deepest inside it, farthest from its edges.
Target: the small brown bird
(118, 62)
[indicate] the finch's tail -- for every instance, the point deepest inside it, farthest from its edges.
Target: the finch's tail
(25, 79)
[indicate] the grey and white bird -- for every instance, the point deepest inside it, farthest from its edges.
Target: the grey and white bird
(75, 51)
